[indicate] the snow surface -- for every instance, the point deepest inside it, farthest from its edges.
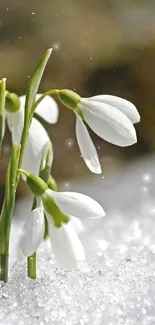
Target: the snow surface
(116, 285)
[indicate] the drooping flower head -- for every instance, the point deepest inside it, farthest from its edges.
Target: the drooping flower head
(110, 117)
(59, 208)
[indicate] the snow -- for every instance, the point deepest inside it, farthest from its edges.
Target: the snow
(116, 284)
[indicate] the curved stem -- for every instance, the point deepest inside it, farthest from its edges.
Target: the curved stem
(39, 100)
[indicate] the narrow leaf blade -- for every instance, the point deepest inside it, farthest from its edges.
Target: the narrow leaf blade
(35, 81)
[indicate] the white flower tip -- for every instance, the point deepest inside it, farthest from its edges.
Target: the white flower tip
(100, 213)
(137, 119)
(87, 147)
(94, 166)
(132, 139)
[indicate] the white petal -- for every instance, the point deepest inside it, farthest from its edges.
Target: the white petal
(66, 245)
(87, 147)
(22, 100)
(77, 224)
(48, 109)
(77, 204)
(108, 123)
(37, 139)
(33, 232)
(122, 104)
(15, 124)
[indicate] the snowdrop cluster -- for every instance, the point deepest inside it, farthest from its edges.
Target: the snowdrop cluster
(110, 117)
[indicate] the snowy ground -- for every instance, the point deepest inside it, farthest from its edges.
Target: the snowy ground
(117, 285)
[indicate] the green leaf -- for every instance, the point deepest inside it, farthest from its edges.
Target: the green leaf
(2, 106)
(35, 82)
(30, 99)
(9, 200)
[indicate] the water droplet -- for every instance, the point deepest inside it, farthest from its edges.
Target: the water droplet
(147, 178)
(66, 185)
(56, 46)
(69, 143)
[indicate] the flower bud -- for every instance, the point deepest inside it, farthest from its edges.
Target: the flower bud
(12, 103)
(69, 98)
(35, 183)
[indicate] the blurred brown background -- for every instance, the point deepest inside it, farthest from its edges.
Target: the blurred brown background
(103, 46)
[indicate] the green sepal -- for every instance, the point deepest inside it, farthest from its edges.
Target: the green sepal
(2, 106)
(52, 184)
(36, 185)
(54, 211)
(12, 103)
(69, 98)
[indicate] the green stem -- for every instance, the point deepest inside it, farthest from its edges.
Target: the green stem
(46, 233)
(5, 225)
(23, 146)
(47, 93)
(31, 266)
(4, 268)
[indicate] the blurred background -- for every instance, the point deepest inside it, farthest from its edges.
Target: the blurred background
(100, 47)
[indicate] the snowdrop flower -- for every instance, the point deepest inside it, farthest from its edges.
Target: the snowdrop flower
(38, 137)
(66, 245)
(110, 117)
(59, 208)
